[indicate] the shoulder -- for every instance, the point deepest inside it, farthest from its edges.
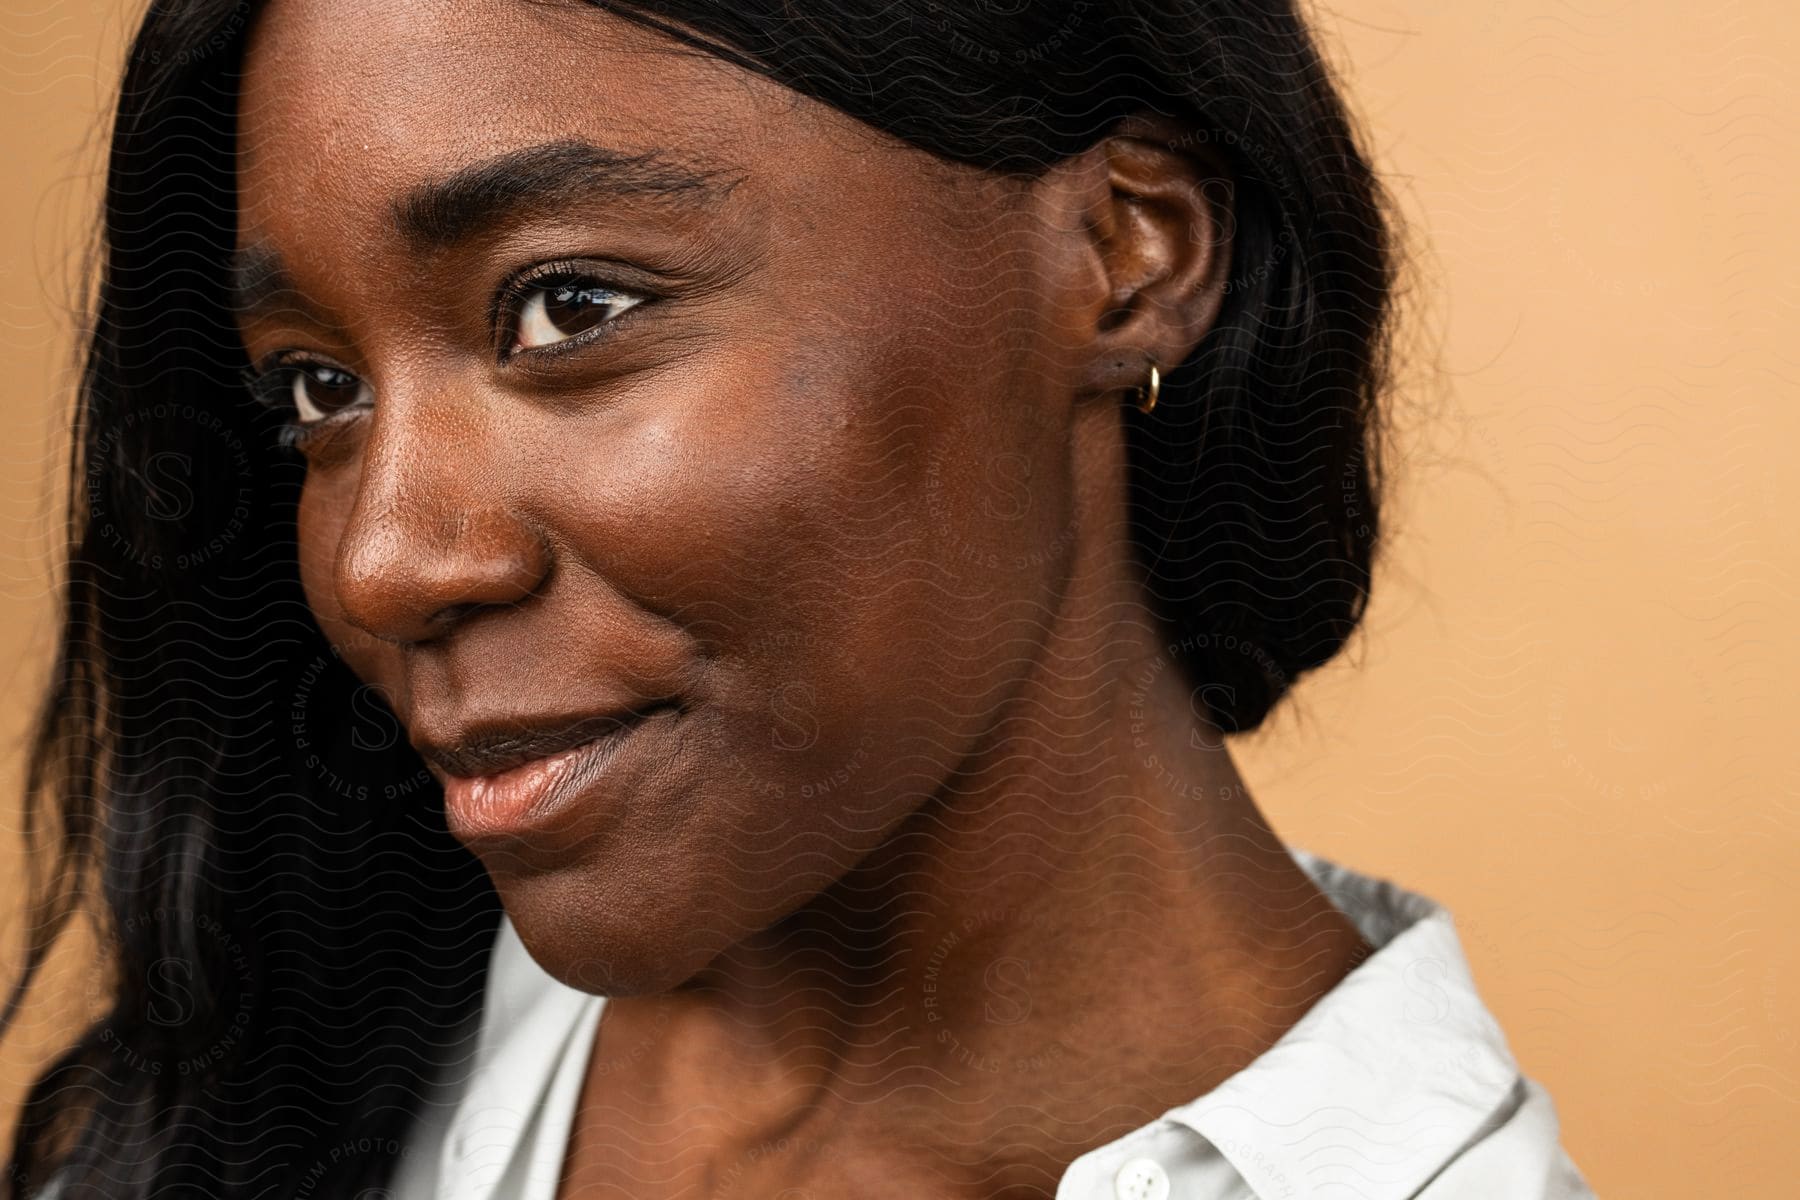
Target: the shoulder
(1518, 1155)
(1401, 1070)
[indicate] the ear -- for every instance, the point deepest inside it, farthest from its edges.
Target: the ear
(1156, 212)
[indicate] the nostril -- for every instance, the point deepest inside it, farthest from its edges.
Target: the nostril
(407, 575)
(452, 615)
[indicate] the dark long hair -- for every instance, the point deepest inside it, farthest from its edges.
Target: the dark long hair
(295, 937)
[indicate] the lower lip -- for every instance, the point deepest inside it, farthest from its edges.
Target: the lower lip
(524, 799)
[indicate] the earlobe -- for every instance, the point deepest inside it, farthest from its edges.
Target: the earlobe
(1159, 223)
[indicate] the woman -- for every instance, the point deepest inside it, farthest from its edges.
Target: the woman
(761, 513)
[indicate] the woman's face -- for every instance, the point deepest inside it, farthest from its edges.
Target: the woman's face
(664, 404)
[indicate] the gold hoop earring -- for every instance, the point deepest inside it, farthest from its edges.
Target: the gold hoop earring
(1148, 393)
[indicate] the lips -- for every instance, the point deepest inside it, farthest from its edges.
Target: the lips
(498, 747)
(508, 782)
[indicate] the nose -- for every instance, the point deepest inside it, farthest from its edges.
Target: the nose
(431, 537)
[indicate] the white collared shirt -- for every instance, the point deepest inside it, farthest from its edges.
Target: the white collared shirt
(1396, 1084)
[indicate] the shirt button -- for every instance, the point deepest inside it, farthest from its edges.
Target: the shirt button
(1141, 1179)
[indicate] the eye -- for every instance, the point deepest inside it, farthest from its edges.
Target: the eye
(564, 307)
(317, 391)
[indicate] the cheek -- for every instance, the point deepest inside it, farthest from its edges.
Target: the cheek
(828, 520)
(726, 498)
(325, 505)
(319, 524)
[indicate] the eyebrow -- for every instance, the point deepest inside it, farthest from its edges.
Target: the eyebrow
(257, 282)
(439, 214)
(442, 213)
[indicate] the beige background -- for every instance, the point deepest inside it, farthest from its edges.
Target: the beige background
(1571, 716)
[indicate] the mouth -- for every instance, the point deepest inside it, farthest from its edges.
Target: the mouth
(508, 784)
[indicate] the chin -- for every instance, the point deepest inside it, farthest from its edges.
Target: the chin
(613, 933)
(589, 936)
(638, 893)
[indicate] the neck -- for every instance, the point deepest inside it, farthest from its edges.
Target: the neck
(1089, 923)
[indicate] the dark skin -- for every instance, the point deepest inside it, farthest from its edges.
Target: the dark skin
(928, 877)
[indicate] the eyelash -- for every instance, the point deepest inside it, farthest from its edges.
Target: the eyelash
(512, 296)
(271, 384)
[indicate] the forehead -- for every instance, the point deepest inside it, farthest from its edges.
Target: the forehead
(348, 102)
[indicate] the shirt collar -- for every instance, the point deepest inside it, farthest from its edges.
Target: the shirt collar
(1372, 1092)
(1384, 1080)
(508, 1133)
